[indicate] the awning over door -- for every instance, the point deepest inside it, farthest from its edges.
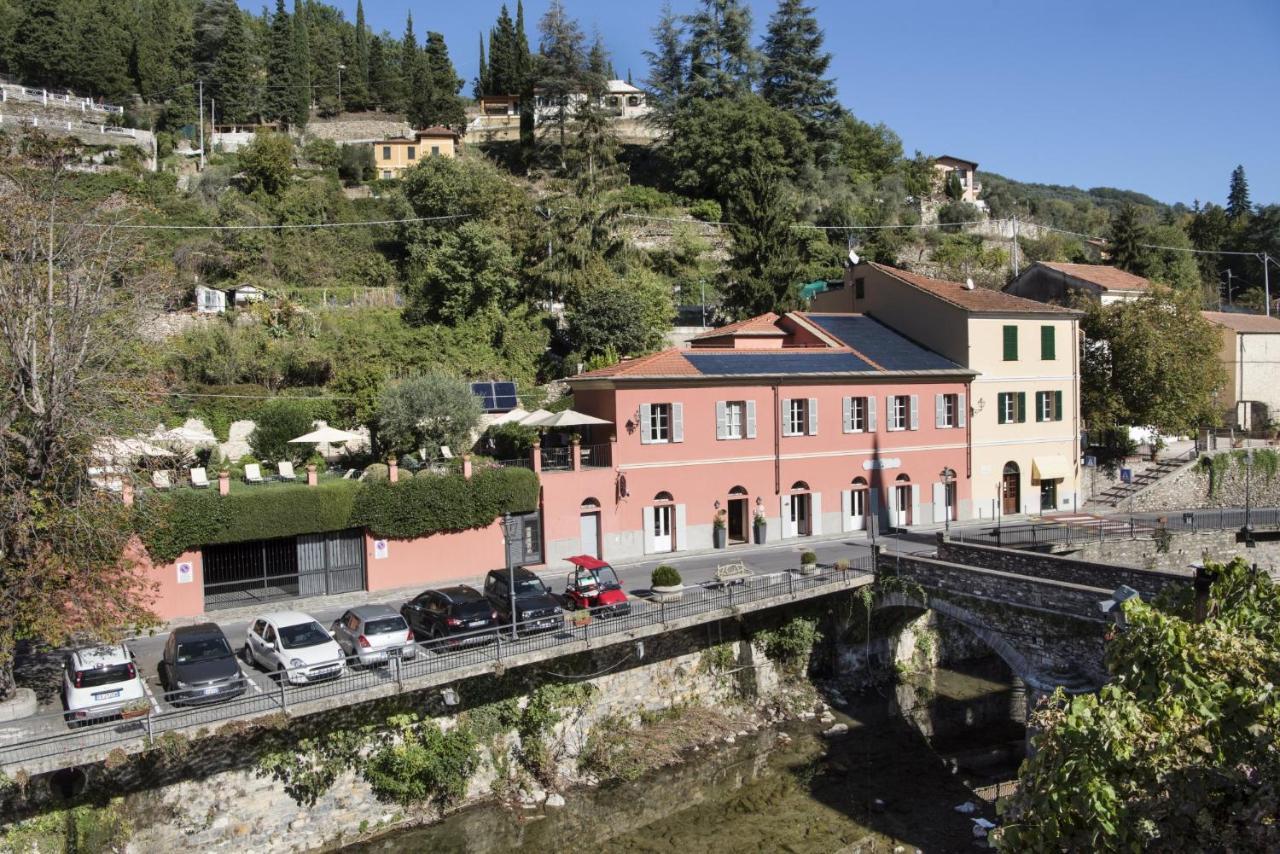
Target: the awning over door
(1050, 468)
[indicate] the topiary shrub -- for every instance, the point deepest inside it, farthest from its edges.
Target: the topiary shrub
(808, 557)
(665, 576)
(444, 502)
(376, 472)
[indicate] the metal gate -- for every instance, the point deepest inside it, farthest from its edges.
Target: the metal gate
(239, 574)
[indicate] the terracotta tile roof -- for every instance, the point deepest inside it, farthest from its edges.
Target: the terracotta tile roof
(1106, 277)
(667, 363)
(761, 325)
(978, 299)
(436, 130)
(1244, 322)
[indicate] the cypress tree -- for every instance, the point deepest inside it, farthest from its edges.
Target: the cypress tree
(1125, 239)
(278, 97)
(233, 69)
(409, 67)
(103, 53)
(445, 106)
(383, 88)
(358, 69)
(522, 57)
(480, 89)
(44, 42)
(300, 73)
(1238, 195)
(795, 66)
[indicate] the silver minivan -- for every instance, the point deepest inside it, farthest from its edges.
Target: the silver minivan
(374, 633)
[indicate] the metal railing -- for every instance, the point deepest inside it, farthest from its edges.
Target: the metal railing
(1050, 533)
(597, 456)
(557, 459)
(44, 736)
(589, 457)
(55, 99)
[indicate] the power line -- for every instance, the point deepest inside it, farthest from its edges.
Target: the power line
(301, 225)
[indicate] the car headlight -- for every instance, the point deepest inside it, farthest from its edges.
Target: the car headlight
(297, 662)
(182, 684)
(557, 610)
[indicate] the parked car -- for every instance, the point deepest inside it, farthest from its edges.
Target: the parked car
(456, 615)
(593, 585)
(101, 682)
(199, 666)
(293, 646)
(537, 609)
(373, 634)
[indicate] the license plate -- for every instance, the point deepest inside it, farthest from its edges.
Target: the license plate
(475, 623)
(107, 695)
(213, 690)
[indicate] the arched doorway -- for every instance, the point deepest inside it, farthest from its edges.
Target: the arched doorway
(661, 522)
(798, 511)
(948, 489)
(903, 499)
(738, 521)
(589, 527)
(1011, 489)
(856, 511)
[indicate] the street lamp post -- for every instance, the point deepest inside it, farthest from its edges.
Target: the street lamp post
(948, 480)
(1248, 472)
(509, 528)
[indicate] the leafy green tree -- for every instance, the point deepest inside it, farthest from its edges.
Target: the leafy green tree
(765, 254)
(722, 62)
(1238, 204)
(300, 72)
(953, 189)
(44, 45)
(274, 424)
(427, 412)
(1125, 241)
(268, 161)
(795, 67)
(460, 272)
(1209, 230)
(1177, 752)
(1152, 362)
(865, 150)
(629, 315)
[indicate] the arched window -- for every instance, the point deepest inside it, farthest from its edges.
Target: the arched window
(799, 486)
(633, 100)
(948, 474)
(904, 478)
(859, 483)
(1011, 468)
(590, 504)
(738, 490)
(663, 496)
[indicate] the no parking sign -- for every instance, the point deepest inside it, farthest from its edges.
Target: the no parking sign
(186, 572)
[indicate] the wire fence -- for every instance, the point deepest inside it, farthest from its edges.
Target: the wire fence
(417, 666)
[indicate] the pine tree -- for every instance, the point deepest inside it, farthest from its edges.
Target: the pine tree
(232, 72)
(445, 106)
(795, 66)
(562, 64)
(599, 68)
(721, 60)
(278, 96)
(504, 60)
(162, 49)
(300, 73)
(44, 42)
(102, 56)
(765, 254)
(667, 67)
(1238, 196)
(1124, 243)
(480, 88)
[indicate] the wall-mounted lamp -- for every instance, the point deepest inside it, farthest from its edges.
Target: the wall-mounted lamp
(717, 504)
(759, 500)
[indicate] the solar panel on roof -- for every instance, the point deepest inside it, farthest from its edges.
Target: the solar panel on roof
(504, 397)
(777, 363)
(881, 344)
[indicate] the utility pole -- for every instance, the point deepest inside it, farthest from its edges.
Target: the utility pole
(1015, 245)
(1229, 284)
(340, 67)
(202, 125)
(1266, 280)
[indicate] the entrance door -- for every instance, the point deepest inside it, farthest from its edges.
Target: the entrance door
(662, 528)
(737, 520)
(590, 534)
(800, 515)
(902, 505)
(1010, 488)
(1048, 495)
(857, 509)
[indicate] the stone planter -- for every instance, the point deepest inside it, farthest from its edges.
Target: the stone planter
(719, 537)
(808, 569)
(761, 530)
(668, 594)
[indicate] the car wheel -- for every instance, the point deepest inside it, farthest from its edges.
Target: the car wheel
(247, 655)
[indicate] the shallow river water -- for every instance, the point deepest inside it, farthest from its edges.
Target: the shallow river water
(789, 789)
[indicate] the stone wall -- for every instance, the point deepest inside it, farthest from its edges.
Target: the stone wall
(1185, 549)
(354, 127)
(1189, 489)
(211, 794)
(1073, 570)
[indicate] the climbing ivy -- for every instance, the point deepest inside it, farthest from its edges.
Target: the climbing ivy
(417, 761)
(308, 767)
(789, 645)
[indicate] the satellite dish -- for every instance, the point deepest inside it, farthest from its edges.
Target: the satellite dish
(968, 284)
(853, 257)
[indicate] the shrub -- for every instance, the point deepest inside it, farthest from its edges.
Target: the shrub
(808, 557)
(323, 153)
(707, 210)
(665, 576)
(426, 764)
(509, 441)
(640, 197)
(791, 643)
(276, 422)
(443, 502)
(377, 472)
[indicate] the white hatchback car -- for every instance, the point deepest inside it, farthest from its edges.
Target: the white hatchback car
(100, 682)
(293, 644)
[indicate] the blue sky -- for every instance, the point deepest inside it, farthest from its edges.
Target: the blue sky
(1160, 96)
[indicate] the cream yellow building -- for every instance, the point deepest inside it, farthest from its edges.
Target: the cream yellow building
(392, 156)
(1024, 403)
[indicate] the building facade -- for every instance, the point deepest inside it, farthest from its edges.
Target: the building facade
(1250, 398)
(1063, 284)
(1024, 407)
(391, 157)
(967, 173)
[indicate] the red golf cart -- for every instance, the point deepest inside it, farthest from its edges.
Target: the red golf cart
(593, 584)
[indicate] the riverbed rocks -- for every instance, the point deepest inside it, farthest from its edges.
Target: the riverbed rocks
(836, 730)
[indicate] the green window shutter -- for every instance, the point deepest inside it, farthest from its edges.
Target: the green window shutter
(1057, 406)
(1000, 399)
(1040, 405)
(1022, 406)
(1011, 343)
(1047, 343)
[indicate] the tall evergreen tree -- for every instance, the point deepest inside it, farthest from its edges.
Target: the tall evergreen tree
(765, 254)
(523, 55)
(278, 98)
(481, 86)
(795, 66)
(667, 67)
(1238, 195)
(504, 56)
(44, 42)
(561, 64)
(300, 73)
(1124, 243)
(103, 48)
(599, 67)
(412, 68)
(445, 106)
(233, 67)
(384, 88)
(722, 62)
(360, 74)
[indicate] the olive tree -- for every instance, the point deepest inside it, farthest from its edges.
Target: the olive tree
(427, 412)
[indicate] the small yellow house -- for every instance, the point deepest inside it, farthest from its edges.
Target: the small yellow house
(392, 156)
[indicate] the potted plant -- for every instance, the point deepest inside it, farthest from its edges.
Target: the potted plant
(666, 584)
(578, 619)
(761, 526)
(719, 536)
(808, 563)
(842, 565)
(135, 709)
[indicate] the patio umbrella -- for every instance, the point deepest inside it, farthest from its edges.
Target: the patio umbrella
(324, 436)
(515, 416)
(566, 418)
(532, 419)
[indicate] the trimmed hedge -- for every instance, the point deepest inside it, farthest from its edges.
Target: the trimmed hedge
(170, 524)
(443, 502)
(187, 519)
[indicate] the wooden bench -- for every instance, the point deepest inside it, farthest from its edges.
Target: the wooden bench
(732, 573)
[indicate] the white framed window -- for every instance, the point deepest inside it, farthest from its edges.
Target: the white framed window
(1008, 408)
(899, 411)
(386, 173)
(797, 416)
(856, 415)
(735, 419)
(950, 405)
(661, 423)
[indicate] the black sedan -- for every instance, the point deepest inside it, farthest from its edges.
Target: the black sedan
(199, 666)
(450, 616)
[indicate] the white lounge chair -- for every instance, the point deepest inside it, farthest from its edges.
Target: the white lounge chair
(252, 473)
(445, 452)
(199, 478)
(160, 479)
(284, 470)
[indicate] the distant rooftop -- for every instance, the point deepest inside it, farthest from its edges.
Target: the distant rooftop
(1240, 322)
(1103, 275)
(976, 299)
